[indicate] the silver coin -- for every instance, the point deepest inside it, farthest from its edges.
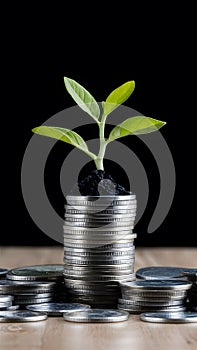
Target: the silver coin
(57, 309)
(94, 293)
(104, 299)
(169, 317)
(99, 201)
(12, 287)
(6, 298)
(88, 233)
(95, 198)
(97, 290)
(99, 220)
(151, 303)
(158, 285)
(104, 250)
(98, 235)
(139, 310)
(100, 216)
(103, 239)
(146, 308)
(95, 252)
(98, 239)
(129, 277)
(98, 257)
(92, 299)
(102, 276)
(13, 308)
(98, 269)
(103, 208)
(154, 294)
(162, 272)
(33, 301)
(100, 287)
(22, 296)
(105, 247)
(36, 272)
(21, 316)
(102, 205)
(94, 244)
(97, 315)
(110, 294)
(96, 273)
(91, 285)
(95, 229)
(100, 263)
(3, 272)
(106, 212)
(101, 256)
(77, 222)
(156, 299)
(128, 225)
(69, 232)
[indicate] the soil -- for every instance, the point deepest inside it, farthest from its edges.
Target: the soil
(99, 183)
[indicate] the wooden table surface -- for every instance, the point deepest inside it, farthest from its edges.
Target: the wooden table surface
(55, 333)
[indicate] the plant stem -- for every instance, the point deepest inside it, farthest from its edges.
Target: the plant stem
(103, 143)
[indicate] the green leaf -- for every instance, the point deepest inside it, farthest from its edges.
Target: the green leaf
(136, 126)
(64, 135)
(83, 98)
(118, 96)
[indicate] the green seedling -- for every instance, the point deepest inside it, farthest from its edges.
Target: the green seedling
(136, 125)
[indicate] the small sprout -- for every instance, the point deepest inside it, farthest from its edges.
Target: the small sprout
(132, 126)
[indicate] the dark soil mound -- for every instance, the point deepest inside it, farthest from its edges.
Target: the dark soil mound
(99, 183)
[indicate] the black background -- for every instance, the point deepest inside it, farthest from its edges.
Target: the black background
(157, 52)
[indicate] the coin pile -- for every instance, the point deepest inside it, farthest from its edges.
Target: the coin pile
(26, 284)
(192, 293)
(25, 292)
(154, 295)
(99, 247)
(171, 272)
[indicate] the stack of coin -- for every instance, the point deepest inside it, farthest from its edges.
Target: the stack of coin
(192, 294)
(38, 273)
(173, 272)
(25, 292)
(98, 247)
(154, 295)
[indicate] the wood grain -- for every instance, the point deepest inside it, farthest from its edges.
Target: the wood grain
(55, 333)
